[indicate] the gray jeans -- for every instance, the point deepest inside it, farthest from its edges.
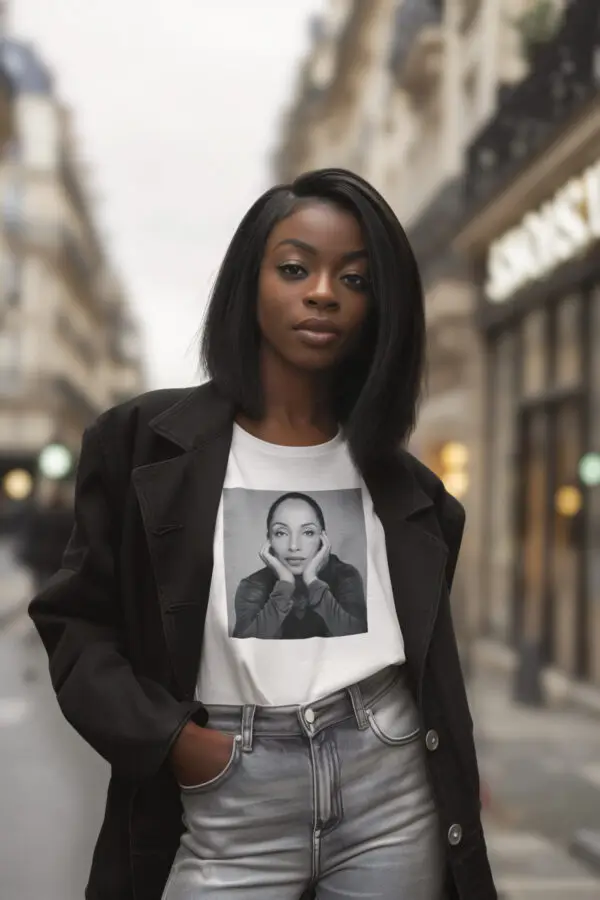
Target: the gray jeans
(334, 796)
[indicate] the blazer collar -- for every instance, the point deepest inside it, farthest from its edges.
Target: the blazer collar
(198, 417)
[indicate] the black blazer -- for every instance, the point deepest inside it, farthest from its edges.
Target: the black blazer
(122, 622)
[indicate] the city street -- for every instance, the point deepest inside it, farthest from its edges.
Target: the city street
(541, 771)
(541, 767)
(51, 785)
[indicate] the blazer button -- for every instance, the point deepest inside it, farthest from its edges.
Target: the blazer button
(455, 835)
(432, 740)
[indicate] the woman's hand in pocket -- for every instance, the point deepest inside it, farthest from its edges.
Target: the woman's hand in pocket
(200, 754)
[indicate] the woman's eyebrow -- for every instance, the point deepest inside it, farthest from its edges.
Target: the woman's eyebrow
(308, 248)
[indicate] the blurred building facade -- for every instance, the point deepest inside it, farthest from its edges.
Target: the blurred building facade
(416, 95)
(69, 345)
(338, 110)
(533, 238)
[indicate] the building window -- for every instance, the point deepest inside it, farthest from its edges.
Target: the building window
(535, 354)
(10, 283)
(9, 362)
(533, 493)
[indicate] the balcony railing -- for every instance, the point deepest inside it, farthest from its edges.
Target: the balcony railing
(431, 233)
(565, 75)
(415, 57)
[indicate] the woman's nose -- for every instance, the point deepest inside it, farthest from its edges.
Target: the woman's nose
(322, 296)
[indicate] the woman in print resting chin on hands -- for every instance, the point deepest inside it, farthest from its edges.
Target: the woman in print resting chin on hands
(305, 590)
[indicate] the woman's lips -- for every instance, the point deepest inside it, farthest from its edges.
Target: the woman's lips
(318, 332)
(317, 338)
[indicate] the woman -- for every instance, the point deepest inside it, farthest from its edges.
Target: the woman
(304, 590)
(344, 766)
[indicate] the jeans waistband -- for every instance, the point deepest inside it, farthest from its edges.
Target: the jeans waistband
(290, 721)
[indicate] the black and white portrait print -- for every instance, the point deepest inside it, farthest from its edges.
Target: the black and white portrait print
(295, 564)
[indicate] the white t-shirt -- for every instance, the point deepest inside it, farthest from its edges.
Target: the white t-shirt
(300, 601)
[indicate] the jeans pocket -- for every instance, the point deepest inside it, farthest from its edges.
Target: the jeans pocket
(394, 718)
(224, 775)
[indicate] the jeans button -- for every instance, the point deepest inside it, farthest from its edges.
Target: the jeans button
(454, 835)
(432, 740)
(309, 716)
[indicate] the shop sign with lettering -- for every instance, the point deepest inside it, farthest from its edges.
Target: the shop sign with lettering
(562, 229)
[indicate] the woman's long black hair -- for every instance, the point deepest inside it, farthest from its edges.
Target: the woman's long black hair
(377, 390)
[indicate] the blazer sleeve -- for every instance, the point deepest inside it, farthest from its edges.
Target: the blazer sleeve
(130, 720)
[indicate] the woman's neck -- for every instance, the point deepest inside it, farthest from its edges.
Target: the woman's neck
(296, 406)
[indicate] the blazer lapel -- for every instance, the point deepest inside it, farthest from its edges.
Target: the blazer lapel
(417, 559)
(179, 501)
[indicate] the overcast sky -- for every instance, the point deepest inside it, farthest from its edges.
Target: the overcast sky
(177, 105)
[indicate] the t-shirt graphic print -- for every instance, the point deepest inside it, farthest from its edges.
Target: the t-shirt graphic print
(311, 548)
(301, 603)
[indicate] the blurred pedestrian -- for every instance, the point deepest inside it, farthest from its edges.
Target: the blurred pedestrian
(43, 537)
(251, 758)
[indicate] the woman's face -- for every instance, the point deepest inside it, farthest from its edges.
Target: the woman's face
(313, 294)
(295, 534)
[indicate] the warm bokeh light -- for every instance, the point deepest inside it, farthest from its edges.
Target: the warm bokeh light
(456, 483)
(454, 456)
(568, 501)
(17, 484)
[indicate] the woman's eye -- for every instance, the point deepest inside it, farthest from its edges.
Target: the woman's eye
(279, 534)
(309, 533)
(358, 282)
(292, 270)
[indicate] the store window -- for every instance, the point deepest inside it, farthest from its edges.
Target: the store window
(569, 358)
(567, 535)
(500, 552)
(533, 495)
(593, 496)
(535, 353)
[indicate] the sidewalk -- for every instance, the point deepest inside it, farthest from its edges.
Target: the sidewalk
(527, 866)
(16, 587)
(542, 768)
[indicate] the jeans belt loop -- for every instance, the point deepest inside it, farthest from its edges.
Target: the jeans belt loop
(248, 713)
(356, 699)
